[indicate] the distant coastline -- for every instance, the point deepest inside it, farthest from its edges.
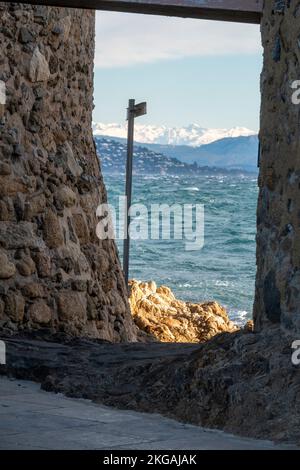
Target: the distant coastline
(158, 159)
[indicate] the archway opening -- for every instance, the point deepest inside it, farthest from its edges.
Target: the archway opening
(198, 145)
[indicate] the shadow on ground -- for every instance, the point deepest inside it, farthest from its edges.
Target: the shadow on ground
(243, 382)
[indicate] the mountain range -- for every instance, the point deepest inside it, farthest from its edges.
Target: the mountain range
(147, 161)
(192, 135)
(231, 153)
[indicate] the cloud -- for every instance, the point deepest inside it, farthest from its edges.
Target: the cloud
(124, 39)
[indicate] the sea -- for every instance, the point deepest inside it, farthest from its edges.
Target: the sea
(223, 270)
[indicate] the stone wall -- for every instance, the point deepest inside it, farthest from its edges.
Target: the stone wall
(278, 240)
(54, 272)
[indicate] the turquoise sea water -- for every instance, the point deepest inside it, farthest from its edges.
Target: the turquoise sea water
(224, 270)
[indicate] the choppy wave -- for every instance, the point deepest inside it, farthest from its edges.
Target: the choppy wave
(224, 270)
(240, 317)
(191, 189)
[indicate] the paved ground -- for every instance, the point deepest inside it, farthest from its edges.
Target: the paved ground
(33, 419)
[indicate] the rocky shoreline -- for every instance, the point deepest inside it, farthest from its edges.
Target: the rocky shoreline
(158, 313)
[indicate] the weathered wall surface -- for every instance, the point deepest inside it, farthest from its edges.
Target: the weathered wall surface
(54, 272)
(278, 240)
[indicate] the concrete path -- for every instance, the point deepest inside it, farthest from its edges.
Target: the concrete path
(33, 419)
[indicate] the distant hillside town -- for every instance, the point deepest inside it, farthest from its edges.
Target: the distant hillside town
(230, 155)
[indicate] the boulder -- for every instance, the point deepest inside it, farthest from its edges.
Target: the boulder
(158, 313)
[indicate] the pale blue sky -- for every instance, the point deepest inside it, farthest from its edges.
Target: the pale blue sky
(187, 70)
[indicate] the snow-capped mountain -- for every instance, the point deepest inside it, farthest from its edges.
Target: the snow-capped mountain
(192, 135)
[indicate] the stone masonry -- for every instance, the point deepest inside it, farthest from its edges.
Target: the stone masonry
(54, 272)
(278, 219)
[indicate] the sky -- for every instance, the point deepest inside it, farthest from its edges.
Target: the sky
(188, 70)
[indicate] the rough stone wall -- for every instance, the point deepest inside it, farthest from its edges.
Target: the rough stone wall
(278, 218)
(54, 272)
